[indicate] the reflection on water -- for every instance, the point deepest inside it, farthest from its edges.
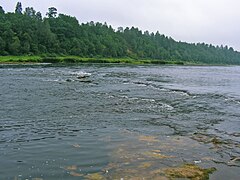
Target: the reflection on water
(119, 122)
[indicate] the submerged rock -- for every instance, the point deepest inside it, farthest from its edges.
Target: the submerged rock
(157, 155)
(145, 165)
(148, 138)
(95, 176)
(190, 171)
(71, 168)
(75, 174)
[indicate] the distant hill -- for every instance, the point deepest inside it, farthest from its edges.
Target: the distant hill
(27, 33)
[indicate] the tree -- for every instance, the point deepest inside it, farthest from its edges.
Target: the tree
(39, 16)
(14, 46)
(2, 44)
(146, 33)
(29, 11)
(25, 43)
(18, 9)
(120, 29)
(1, 10)
(8, 36)
(52, 12)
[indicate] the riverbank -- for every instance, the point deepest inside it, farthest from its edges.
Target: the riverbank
(76, 59)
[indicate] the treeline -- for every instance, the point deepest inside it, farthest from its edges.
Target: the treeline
(26, 32)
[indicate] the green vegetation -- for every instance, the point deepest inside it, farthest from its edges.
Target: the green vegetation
(77, 59)
(189, 171)
(19, 59)
(60, 38)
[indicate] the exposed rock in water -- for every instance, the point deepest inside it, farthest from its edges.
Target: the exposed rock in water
(86, 81)
(234, 162)
(83, 75)
(68, 80)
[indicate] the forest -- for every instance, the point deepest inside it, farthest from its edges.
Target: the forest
(27, 32)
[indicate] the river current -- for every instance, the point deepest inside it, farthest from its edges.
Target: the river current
(117, 121)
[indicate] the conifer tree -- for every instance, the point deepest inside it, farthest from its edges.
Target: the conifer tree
(18, 9)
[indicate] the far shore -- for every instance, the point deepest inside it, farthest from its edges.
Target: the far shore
(76, 59)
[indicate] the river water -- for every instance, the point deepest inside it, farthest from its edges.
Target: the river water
(117, 121)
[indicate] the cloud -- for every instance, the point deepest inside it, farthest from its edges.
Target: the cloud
(210, 21)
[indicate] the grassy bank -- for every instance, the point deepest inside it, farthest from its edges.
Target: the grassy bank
(76, 59)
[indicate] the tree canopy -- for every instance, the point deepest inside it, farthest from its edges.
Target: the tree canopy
(28, 33)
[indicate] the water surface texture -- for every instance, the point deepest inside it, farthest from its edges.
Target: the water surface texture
(117, 121)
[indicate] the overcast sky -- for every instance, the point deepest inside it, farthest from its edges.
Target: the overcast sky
(209, 21)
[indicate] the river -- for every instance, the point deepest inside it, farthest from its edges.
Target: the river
(63, 122)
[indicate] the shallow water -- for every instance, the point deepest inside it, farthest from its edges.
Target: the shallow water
(54, 125)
